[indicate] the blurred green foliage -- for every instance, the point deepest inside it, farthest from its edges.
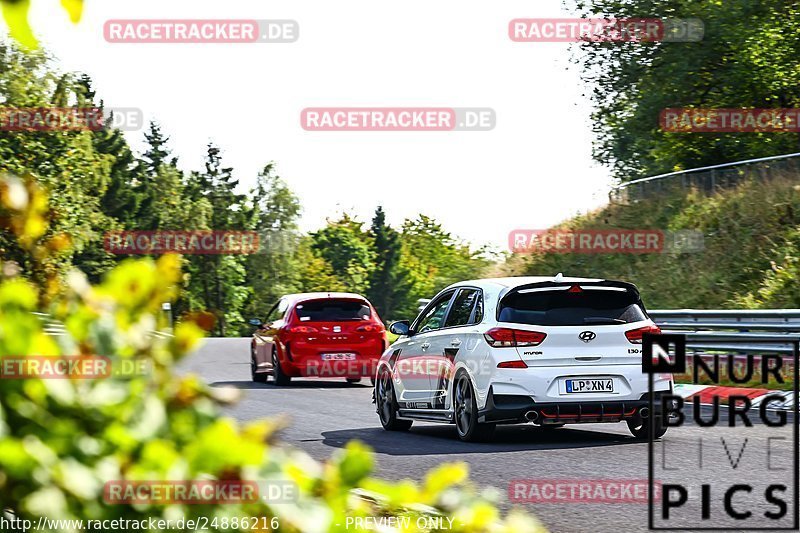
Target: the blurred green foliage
(15, 13)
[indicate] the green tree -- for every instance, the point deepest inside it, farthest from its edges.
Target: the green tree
(315, 273)
(273, 271)
(749, 57)
(158, 152)
(155, 165)
(218, 279)
(123, 197)
(389, 280)
(348, 249)
(434, 259)
(67, 164)
(121, 200)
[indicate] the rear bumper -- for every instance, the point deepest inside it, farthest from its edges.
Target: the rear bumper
(546, 384)
(307, 361)
(512, 409)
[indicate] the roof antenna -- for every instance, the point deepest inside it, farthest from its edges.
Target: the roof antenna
(559, 277)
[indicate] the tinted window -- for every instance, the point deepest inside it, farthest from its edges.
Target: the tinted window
(461, 312)
(478, 310)
(433, 317)
(332, 311)
(563, 308)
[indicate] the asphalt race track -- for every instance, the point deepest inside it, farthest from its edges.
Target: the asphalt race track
(326, 413)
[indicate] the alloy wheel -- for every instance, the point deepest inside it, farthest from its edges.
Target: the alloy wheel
(384, 398)
(463, 401)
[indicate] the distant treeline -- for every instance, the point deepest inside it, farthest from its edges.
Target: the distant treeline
(98, 184)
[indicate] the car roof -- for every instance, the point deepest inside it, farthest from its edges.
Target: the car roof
(513, 282)
(305, 296)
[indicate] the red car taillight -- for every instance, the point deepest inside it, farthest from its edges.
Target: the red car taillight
(512, 338)
(635, 335)
(302, 329)
(370, 328)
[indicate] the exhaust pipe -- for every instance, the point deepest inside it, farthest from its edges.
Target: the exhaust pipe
(531, 416)
(644, 412)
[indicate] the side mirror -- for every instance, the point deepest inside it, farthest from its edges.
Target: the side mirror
(400, 328)
(255, 322)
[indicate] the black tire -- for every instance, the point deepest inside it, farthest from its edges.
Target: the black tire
(280, 378)
(257, 377)
(353, 381)
(372, 380)
(641, 428)
(466, 412)
(386, 405)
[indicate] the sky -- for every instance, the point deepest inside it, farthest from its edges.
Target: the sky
(531, 171)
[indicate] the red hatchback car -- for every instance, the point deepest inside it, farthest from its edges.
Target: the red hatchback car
(321, 334)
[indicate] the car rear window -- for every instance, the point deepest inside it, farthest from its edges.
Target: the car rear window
(332, 311)
(571, 308)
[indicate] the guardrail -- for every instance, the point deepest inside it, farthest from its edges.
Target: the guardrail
(51, 326)
(422, 303)
(707, 179)
(733, 330)
(54, 328)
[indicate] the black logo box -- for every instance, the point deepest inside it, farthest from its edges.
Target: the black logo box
(678, 366)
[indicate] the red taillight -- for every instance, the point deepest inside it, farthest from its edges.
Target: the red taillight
(370, 328)
(302, 329)
(509, 338)
(512, 364)
(635, 335)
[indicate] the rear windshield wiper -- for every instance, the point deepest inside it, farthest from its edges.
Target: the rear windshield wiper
(602, 320)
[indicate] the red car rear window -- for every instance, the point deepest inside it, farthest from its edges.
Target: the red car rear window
(332, 311)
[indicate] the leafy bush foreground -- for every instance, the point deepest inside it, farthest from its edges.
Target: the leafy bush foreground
(61, 440)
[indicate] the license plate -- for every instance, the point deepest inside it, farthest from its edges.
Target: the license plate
(590, 385)
(338, 357)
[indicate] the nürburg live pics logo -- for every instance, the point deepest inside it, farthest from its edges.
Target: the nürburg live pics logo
(729, 458)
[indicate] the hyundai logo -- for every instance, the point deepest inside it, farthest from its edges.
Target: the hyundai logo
(587, 336)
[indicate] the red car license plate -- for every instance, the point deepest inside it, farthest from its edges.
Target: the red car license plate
(338, 357)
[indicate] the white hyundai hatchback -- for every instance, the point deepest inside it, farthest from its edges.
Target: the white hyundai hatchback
(543, 350)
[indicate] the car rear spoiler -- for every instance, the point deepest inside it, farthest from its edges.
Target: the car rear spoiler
(629, 287)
